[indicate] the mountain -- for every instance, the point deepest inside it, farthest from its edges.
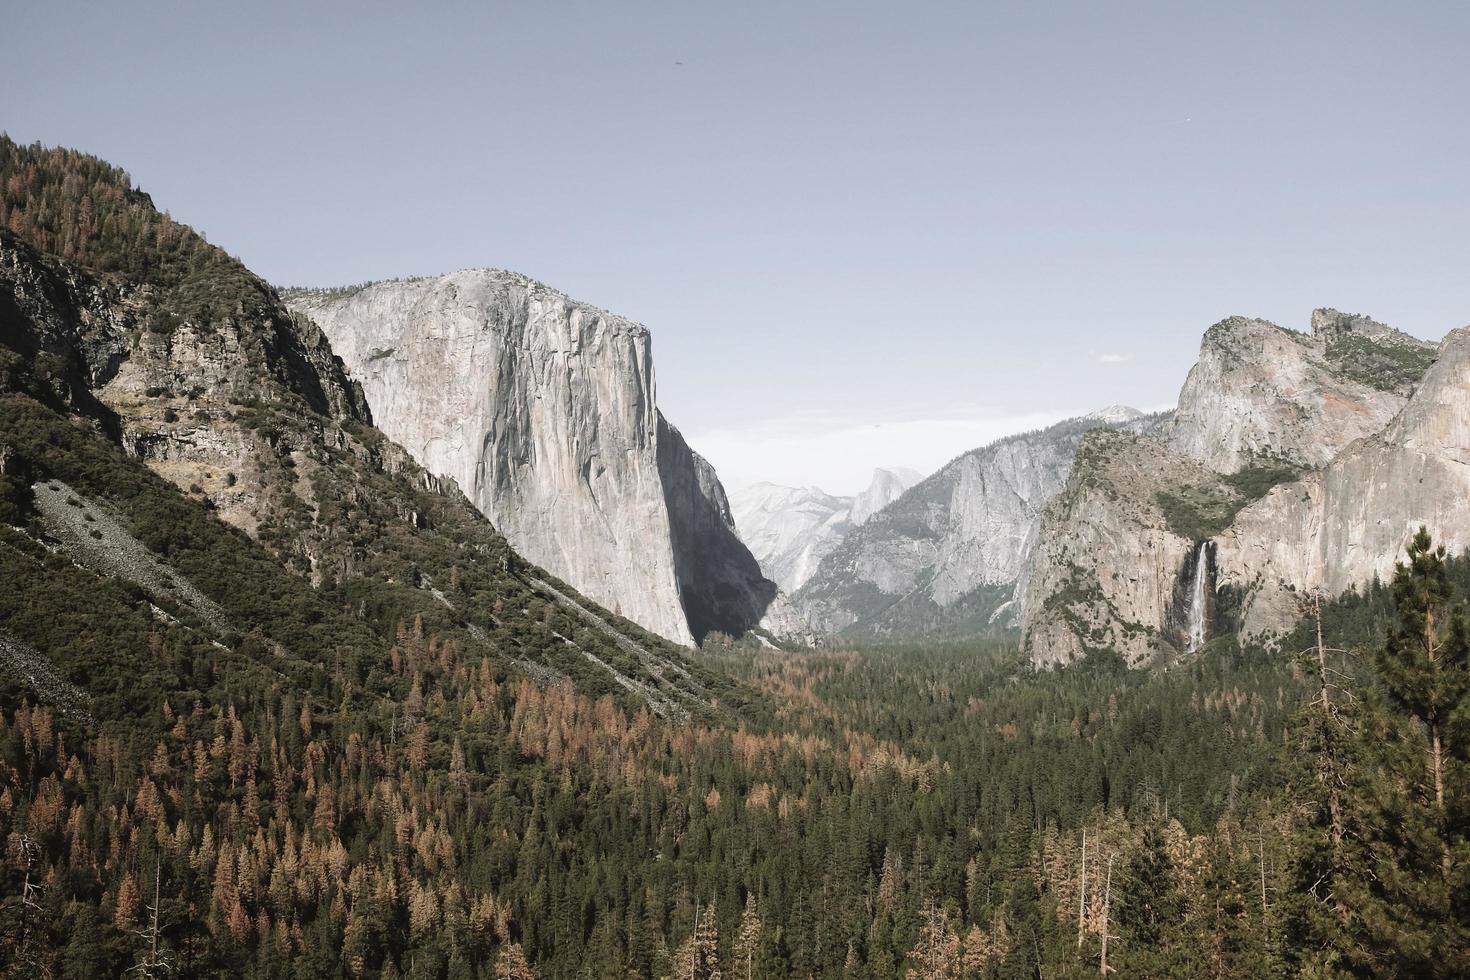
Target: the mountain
(946, 557)
(1342, 526)
(790, 529)
(543, 411)
(886, 486)
(1158, 543)
(163, 392)
(1263, 392)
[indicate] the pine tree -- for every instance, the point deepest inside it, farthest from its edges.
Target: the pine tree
(747, 941)
(698, 958)
(1147, 905)
(1424, 667)
(125, 912)
(1407, 900)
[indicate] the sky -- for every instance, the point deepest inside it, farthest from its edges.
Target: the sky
(861, 234)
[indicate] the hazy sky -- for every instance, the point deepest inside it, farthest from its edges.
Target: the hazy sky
(861, 234)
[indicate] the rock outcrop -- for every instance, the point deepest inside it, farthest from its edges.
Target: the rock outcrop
(1347, 523)
(947, 556)
(886, 486)
(1155, 536)
(791, 529)
(543, 411)
(1264, 393)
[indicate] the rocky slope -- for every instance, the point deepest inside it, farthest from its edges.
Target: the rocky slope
(947, 556)
(1155, 545)
(543, 411)
(791, 529)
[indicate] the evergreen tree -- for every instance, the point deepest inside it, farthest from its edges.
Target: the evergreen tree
(746, 951)
(1147, 906)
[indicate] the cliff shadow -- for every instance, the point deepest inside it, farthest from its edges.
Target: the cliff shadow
(720, 582)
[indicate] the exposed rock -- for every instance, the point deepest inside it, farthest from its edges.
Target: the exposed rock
(791, 529)
(201, 402)
(886, 486)
(1124, 546)
(543, 411)
(1344, 525)
(1109, 564)
(1264, 393)
(947, 555)
(23, 663)
(720, 582)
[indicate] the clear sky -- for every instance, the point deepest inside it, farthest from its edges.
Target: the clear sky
(862, 234)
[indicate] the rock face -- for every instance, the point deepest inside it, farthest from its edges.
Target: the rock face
(1111, 570)
(187, 398)
(543, 410)
(1261, 392)
(947, 556)
(791, 529)
(886, 487)
(1348, 522)
(1155, 545)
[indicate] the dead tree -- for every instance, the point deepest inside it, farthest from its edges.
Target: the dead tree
(1103, 968)
(1082, 893)
(157, 961)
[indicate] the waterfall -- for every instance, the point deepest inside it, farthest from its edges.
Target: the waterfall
(1199, 612)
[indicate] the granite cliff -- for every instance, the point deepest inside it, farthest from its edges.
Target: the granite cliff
(1156, 545)
(1345, 524)
(543, 411)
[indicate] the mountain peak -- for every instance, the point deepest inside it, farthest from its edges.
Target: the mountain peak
(1114, 414)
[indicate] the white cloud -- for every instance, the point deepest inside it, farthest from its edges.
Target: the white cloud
(839, 454)
(1114, 358)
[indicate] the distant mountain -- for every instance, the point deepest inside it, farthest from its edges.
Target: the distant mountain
(947, 556)
(790, 529)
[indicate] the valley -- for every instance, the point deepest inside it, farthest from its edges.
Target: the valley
(393, 631)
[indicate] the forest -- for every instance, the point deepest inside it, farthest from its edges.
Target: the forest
(927, 813)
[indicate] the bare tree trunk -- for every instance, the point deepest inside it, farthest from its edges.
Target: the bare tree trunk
(1261, 847)
(1436, 757)
(1082, 893)
(1103, 968)
(694, 953)
(1334, 789)
(153, 930)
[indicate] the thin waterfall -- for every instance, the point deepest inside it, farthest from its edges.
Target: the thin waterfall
(1199, 612)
